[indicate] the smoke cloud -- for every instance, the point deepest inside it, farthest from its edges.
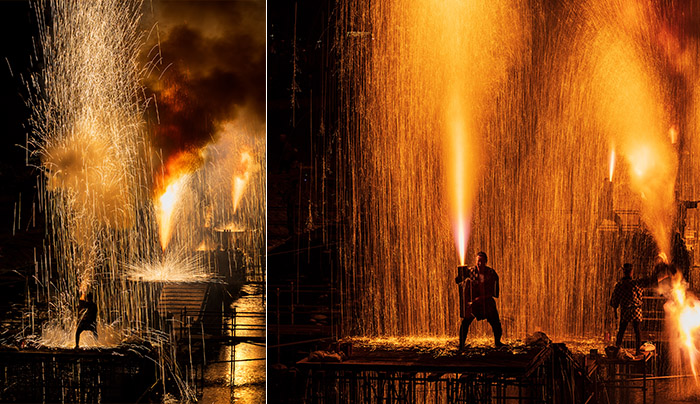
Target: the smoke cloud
(211, 69)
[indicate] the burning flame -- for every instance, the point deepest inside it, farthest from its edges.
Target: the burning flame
(642, 158)
(176, 175)
(653, 166)
(673, 134)
(683, 319)
(612, 164)
(241, 178)
(165, 207)
(461, 165)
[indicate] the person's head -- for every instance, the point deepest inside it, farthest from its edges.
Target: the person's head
(627, 269)
(481, 259)
(89, 297)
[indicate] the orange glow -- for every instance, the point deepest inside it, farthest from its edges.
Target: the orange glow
(462, 170)
(458, 140)
(165, 206)
(641, 159)
(683, 311)
(612, 164)
(652, 169)
(169, 190)
(673, 134)
(241, 177)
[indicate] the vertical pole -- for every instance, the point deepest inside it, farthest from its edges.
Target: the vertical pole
(278, 325)
(292, 302)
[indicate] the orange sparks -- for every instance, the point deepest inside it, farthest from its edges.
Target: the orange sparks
(176, 173)
(241, 177)
(642, 159)
(683, 311)
(673, 134)
(459, 174)
(165, 206)
(462, 158)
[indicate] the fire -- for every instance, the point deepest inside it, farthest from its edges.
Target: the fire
(642, 158)
(459, 174)
(165, 206)
(612, 164)
(176, 174)
(461, 165)
(673, 134)
(683, 318)
(241, 177)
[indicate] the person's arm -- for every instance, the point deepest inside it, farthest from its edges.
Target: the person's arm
(496, 285)
(615, 298)
(653, 281)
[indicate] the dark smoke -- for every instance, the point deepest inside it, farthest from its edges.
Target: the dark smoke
(213, 58)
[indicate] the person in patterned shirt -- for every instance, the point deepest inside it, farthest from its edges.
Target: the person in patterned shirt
(627, 295)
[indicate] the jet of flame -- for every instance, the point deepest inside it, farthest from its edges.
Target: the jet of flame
(165, 206)
(241, 177)
(683, 319)
(462, 167)
(169, 189)
(612, 164)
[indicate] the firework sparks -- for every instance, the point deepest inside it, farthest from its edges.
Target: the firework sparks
(612, 164)
(89, 138)
(165, 207)
(175, 267)
(241, 178)
(683, 319)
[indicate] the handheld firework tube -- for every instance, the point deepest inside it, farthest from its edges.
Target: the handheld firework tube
(464, 290)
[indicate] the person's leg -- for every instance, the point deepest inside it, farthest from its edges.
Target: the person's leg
(637, 335)
(621, 333)
(463, 329)
(77, 336)
(495, 323)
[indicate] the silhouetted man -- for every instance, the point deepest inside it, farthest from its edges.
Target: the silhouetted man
(478, 288)
(87, 315)
(627, 295)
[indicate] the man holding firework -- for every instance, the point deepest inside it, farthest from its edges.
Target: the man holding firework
(478, 287)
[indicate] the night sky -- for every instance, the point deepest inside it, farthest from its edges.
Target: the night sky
(17, 25)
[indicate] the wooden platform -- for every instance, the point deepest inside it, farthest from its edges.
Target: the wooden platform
(483, 360)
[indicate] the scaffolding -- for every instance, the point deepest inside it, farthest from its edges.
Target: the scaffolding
(624, 380)
(549, 374)
(496, 377)
(67, 376)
